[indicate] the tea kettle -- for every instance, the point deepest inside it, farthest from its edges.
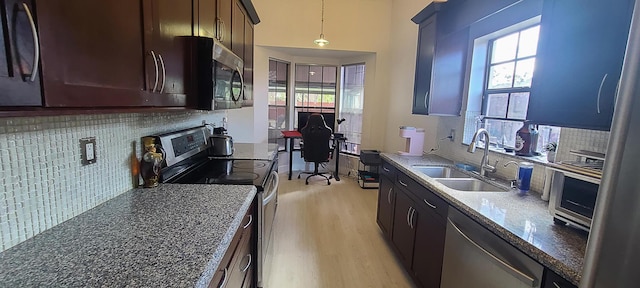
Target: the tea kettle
(221, 145)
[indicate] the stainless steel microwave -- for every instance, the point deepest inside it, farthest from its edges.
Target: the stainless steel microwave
(217, 75)
(573, 198)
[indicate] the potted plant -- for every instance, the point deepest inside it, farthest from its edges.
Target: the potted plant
(551, 151)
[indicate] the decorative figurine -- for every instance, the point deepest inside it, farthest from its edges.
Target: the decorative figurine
(151, 163)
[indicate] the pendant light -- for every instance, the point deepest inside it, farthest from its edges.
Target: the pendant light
(321, 41)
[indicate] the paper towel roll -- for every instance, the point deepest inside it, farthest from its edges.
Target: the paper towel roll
(546, 190)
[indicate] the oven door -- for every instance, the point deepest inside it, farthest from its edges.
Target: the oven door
(269, 205)
(575, 197)
(228, 87)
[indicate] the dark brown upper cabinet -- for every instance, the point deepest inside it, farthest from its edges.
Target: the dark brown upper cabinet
(223, 20)
(579, 62)
(248, 63)
(19, 55)
(166, 22)
(205, 15)
(117, 53)
(237, 30)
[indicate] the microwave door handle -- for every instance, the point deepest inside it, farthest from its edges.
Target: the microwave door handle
(274, 188)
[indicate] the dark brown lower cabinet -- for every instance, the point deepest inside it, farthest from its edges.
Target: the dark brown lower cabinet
(428, 248)
(413, 217)
(238, 265)
(404, 232)
(553, 280)
(386, 202)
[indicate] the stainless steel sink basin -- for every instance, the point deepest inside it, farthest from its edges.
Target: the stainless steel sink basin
(470, 185)
(440, 171)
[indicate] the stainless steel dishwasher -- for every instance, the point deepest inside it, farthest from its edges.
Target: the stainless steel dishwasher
(475, 257)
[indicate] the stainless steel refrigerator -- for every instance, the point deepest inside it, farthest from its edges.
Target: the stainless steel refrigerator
(613, 251)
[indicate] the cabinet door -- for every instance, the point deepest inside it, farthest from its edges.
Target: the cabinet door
(427, 255)
(206, 19)
(386, 202)
(449, 73)
(248, 63)
(237, 30)
(17, 55)
(553, 280)
(403, 227)
(579, 62)
(424, 63)
(165, 24)
(92, 53)
(225, 8)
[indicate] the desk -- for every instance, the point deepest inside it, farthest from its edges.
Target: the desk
(294, 134)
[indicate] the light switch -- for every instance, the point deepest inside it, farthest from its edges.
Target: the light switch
(88, 150)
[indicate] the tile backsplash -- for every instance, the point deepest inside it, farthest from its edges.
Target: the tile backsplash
(42, 181)
(581, 139)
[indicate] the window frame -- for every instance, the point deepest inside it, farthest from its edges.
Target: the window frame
(487, 71)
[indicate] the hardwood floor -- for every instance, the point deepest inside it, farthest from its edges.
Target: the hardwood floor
(327, 236)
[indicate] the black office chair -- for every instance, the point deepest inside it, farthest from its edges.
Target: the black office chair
(316, 148)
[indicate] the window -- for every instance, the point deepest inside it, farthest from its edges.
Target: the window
(351, 105)
(315, 90)
(277, 100)
(509, 70)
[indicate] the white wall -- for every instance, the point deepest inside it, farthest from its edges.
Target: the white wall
(362, 26)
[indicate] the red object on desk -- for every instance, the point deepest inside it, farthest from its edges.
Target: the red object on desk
(291, 134)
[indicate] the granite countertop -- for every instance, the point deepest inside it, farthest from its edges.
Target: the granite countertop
(171, 235)
(523, 221)
(252, 151)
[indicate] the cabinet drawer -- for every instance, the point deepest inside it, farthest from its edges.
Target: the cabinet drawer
(388, 170)
(241, 242)
(423, 195)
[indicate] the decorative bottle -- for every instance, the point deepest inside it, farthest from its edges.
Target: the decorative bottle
(151, 163)
(526, 140)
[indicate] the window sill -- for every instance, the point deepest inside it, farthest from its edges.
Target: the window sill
(541, 159)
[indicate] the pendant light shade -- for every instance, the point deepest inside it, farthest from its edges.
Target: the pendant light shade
(321, 41)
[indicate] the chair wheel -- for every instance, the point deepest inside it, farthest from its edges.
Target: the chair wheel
(298, 176)
(306, 183)
(328, 183)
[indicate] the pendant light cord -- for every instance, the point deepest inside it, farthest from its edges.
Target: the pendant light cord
(322, 21)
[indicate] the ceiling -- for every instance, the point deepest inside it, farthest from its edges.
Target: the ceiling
(324, 53)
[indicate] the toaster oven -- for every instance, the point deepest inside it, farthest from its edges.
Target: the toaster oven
(573, 198)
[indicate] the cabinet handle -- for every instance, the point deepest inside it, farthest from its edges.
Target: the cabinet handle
(164, 73)
(604, 78)
(385, 169)
(155, 65)
(402, 183)
(217, 36)
(224, 279)
(408, 213)
(248, 223)
(413, 212)
(508, 268)
(36, 43)
(248, 264)
(556, 285)
(222, 29)
(389, 195)
(429, 204)
(426, 96)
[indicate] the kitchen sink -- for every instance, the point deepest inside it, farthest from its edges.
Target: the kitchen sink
(470, 185)
(439, 171)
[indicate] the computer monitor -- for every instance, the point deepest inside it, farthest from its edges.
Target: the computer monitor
(329, 119)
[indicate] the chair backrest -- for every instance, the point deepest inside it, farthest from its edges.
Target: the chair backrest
(316, 136)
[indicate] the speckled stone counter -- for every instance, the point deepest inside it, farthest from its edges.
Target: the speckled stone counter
(252, 151)
(169, 236)
(523, 221)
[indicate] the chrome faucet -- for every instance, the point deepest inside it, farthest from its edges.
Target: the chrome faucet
(484, 165)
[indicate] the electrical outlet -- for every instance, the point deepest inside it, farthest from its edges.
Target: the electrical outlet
(88, 150)
(452, 135)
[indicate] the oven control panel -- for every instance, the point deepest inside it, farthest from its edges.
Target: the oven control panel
(183, 144)
(188, 142)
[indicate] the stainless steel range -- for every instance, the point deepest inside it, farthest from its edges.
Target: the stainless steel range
(188, 162)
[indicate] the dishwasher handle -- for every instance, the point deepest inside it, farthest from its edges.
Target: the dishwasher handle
(506, 266)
